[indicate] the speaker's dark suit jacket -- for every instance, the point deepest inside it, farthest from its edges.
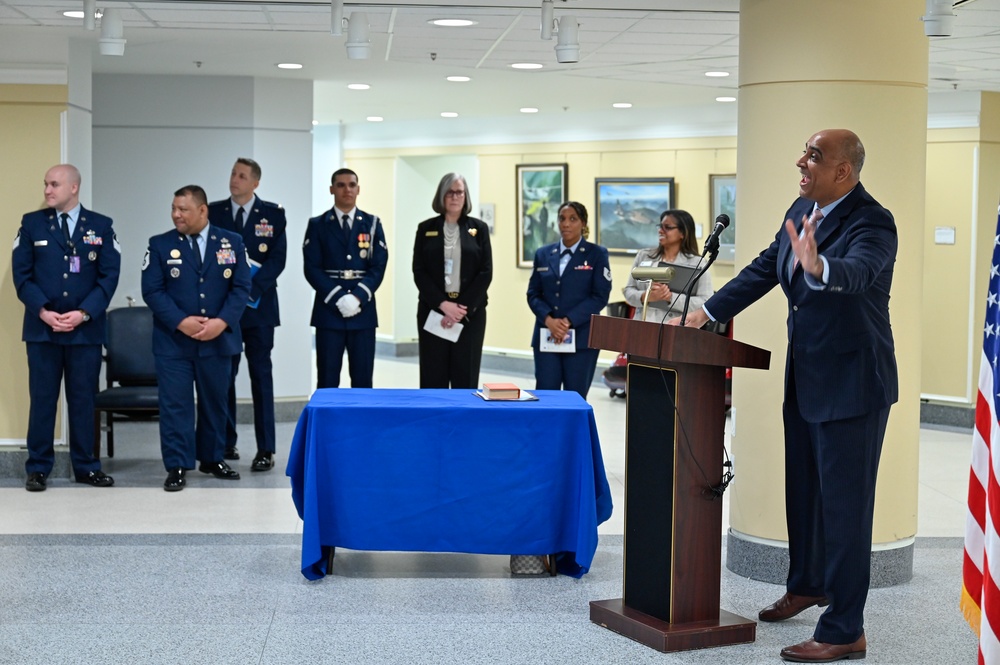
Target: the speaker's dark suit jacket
(840, 379)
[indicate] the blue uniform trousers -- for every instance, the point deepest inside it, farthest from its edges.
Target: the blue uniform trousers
(330, 346)
(830, 470)
(181, 442)
(257, 344)
(566, 371)
(47, 364)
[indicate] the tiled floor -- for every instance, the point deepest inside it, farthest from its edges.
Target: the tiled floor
(210, 575)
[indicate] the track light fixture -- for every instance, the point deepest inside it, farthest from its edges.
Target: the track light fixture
(336, 17)
(89, 14)
(359, 41)
(568, 46)
(112, 40)
(546, 25)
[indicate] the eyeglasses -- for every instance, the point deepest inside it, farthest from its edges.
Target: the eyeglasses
(455, 195)
(668, 227)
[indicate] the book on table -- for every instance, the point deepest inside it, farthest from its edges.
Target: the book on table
(501, 391)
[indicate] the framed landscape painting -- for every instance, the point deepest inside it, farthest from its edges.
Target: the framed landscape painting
(540, 190)
(627, 211)
(722, 199)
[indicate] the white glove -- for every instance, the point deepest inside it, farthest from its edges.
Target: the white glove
(349, 305)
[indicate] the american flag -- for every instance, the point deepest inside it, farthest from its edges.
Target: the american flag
(981, 566)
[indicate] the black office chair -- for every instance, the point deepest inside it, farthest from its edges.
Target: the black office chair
(130, 364)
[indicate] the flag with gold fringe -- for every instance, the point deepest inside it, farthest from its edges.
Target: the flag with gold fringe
(980, 601)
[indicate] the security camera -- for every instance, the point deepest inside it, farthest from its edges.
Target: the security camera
(940, 20)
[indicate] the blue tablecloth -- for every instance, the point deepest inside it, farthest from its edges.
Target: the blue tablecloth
(445, 471)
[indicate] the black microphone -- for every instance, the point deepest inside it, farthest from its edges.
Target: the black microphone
(721, 224)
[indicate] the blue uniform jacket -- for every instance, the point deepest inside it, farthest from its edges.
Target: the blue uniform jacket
(325, 252)
(174, 289)
(582, 290)
(840, 342)
(41, 269)
(266, 243)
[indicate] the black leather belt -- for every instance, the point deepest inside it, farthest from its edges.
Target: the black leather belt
(346, 274)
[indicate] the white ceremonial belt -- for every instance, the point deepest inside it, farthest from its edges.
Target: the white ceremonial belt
(346, 274)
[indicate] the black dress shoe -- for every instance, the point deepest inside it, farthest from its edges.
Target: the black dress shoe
(175, 481)
(220, 470)
(231, 453)
(35, 482)
(262, 462)
(97, 479)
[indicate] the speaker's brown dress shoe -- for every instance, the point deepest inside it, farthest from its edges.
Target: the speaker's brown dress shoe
(789, 605)
(812, 651)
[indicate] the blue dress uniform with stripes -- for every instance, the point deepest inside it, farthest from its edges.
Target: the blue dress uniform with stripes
(174, 289)
(583, 289)
(53, 274)
(335, 266)
(264, 237)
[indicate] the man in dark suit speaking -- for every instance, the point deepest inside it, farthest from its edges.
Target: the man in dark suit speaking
(833, 259)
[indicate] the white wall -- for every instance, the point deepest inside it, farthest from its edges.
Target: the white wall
(155, 134)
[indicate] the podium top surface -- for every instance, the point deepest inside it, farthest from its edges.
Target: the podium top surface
(673, 344)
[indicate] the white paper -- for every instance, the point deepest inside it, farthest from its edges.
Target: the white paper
(548, 345)
(434, 327)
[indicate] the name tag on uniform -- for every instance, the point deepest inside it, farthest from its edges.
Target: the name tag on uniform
(41, 243)
(541, 268)
(430, 234)
(174, 262)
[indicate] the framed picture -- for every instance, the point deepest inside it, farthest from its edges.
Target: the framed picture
(627, 211)
(540, 190)
(722, 199)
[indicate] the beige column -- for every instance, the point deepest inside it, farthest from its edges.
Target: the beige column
(806, 66)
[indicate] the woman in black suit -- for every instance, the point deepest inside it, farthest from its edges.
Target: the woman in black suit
(452, 268)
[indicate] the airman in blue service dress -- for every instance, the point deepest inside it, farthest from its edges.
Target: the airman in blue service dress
(336, 265)
(177, 285)
(583, 289)
(66, 279)
(263, 233)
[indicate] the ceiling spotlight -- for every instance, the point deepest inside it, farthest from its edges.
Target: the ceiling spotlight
(112, 41)
(621, 105)
(545, 29)
(526, 65)
(289, 65)
(449, 114)
(336, 17)
(717, 74)
(459, 79)
(359, 39)
(452, 22)
(940, 20)
(725, 99)
(568, 46)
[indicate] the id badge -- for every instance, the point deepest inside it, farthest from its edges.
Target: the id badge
(448, 264)
(74, 263)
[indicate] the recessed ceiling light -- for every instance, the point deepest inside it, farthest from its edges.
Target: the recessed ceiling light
(73, 14)
(526, 65)
(529, 109)
(725, 99)
(374, 118)
(452, 22)
(315, 122)
(717, 74)
(289, 65)
(459, 79)
(622, 105)
(358, 86)
(449, 114)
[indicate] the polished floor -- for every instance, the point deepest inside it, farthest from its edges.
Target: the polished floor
(133, 574)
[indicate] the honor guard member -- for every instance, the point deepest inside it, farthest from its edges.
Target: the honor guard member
(262, 226)
(65, 265)
(344, 260)
(196, 279)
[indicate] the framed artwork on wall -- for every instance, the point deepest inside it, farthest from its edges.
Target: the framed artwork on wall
(722, 199)
(540, 190)
(627, 211)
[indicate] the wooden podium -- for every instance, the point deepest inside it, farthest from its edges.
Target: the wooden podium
(674, 433)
